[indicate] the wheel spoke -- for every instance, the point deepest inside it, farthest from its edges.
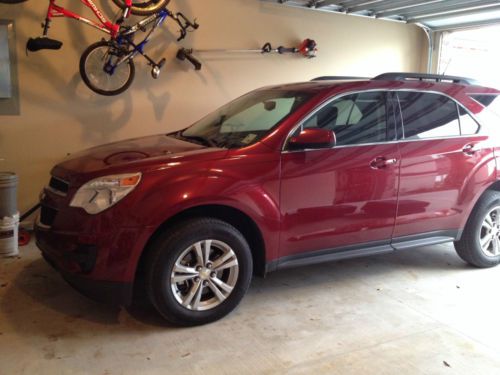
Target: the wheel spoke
(231, 263)
(206, 251)
(199, 254)
(220, 296)
(179, 268)
(182, 278)
(222, 285)
(197, 297)
(497, 216)
(496, 246)
(192, 293)
(487, 225)
(489, 221)
(486, 241)
(220, 261)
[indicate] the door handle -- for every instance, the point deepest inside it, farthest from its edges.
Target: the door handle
(470, 149)
(381, 162)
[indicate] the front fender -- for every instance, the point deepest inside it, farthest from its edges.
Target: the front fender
(253, 192)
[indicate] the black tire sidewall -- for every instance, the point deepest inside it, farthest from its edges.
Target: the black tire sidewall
(171, 247)
(470, 247)
(86, 80)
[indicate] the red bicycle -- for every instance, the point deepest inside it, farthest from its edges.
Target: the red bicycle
(107, 67)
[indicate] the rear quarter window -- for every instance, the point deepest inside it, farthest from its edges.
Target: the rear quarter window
(427, 115)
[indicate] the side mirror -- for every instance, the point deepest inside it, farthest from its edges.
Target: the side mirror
(314, 138)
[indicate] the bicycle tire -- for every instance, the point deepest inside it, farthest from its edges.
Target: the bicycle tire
(90, 78)
(143, 8)
(12, 1)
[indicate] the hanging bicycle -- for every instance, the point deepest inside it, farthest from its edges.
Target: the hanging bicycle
(107, 67)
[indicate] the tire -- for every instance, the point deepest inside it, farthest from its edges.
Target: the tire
(469, 247)
(92, 65)
(144, 7)
(176, 300)
(12, 1)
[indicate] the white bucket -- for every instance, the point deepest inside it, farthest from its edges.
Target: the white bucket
(9, 229)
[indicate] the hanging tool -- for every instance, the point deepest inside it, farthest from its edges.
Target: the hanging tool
(308, 49)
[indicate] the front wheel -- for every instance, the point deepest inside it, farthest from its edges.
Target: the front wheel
(102, 71)
(480, 242)
(198, 272)
(143, 7)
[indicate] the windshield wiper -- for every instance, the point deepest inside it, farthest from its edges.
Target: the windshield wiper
(199, 139)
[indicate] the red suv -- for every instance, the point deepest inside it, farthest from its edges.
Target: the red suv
(283, 176)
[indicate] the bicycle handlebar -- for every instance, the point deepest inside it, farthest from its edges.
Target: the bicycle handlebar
(185, 24)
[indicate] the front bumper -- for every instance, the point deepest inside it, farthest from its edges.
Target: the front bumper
(109, 292)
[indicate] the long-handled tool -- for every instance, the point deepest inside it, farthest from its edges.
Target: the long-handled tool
(308, 49)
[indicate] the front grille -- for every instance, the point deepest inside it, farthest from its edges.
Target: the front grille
(47, 215)
(59, 185)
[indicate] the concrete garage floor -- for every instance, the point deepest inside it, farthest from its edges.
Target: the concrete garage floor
(418, 312)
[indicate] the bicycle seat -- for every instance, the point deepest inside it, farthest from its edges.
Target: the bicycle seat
(37, 44)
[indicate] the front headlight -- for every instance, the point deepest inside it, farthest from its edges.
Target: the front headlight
(103, 192)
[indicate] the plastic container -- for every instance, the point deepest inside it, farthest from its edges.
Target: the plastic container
(9, 232)
(8, 194)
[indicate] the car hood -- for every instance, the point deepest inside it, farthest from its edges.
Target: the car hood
(139, 153)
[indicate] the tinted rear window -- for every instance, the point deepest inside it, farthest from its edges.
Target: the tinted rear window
(427, 115)
(492, 102)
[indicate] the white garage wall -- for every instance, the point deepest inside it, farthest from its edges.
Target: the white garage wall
(59, 115)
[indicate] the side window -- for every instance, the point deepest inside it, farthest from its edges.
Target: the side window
(428, 115)
(468, 125)
(355, 119)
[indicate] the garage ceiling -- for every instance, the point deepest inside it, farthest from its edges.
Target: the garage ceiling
(436, 15)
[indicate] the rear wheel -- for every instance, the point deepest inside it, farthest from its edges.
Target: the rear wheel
(101, 72)
(198, 272)
(480, 243)
(143, 7)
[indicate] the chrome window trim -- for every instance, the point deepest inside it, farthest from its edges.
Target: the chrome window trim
(320, 106)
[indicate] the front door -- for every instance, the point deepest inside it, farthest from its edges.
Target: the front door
(346, 195)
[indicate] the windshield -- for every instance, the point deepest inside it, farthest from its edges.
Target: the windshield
(247, 119)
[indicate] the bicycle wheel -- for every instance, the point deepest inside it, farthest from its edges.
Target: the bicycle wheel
(144, 7)
(100, 73)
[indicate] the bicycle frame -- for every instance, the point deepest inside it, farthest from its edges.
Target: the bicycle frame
(158, 19)
(105, 25)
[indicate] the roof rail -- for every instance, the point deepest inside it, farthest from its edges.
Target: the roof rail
(336, 78)
(423, 77)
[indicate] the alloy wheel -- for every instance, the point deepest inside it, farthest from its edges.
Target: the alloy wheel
(489, 237)
(204, 275)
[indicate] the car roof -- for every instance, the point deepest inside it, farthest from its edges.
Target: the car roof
(448, 85)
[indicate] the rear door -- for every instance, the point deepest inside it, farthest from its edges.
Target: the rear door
(444, 165)
(346, 195)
